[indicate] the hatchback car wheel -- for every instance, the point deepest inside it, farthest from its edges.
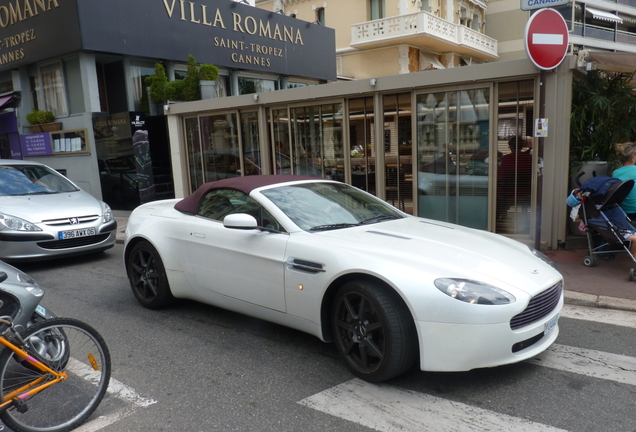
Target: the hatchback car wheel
(373, 331)
(147, 276)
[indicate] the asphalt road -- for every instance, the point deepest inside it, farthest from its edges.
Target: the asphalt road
(193, 367)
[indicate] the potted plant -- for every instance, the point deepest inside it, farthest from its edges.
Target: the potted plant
(42, 121)
(208, 76)
(188, 89)
(603, 114)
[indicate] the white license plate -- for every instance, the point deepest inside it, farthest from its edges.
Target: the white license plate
(550, 325)
(63, 235)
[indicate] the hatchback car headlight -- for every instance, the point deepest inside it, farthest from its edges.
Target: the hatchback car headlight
(108, 213)
(474, 292)
(8, 222)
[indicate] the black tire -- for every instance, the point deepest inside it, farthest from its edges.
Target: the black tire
(67, 404)
(589, 261)
(373, 331)
(147, 276)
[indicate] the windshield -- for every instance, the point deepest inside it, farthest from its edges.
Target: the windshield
(327, 206)
(32, 180)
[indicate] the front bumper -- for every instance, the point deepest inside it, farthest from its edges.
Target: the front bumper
(461, 347)
(45, 245)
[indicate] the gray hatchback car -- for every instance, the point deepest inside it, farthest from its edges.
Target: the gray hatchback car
(44, 215)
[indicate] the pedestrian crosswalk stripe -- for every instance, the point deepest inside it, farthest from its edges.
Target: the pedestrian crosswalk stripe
(582, 361)
(606, 316)
(386, 408)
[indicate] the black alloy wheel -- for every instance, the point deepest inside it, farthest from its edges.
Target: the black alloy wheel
(147, 276)
(373, 331)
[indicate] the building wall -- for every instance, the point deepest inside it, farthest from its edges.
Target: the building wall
(506, 22)
(372, 63)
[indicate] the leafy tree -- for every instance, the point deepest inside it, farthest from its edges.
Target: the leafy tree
(603, 114)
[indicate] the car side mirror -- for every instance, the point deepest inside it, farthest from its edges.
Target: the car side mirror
(244, 221)
(240, 221)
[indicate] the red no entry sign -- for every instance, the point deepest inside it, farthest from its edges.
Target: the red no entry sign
(546, 38)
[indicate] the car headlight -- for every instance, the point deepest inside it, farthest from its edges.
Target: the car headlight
(474, 292)
(544, 258)
(16, 224)
(108, 213)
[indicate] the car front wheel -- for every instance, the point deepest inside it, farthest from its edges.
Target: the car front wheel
(147, 276)
(373, 331)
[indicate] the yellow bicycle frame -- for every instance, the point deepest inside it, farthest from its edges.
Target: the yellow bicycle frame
(35, 386)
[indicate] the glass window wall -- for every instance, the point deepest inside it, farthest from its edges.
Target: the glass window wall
(317, 141)
(398, 164)
(361, 143)
(514, 143)
(250, 144)
(453, 156)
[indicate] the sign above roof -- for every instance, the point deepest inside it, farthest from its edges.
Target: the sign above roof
(225, 33)
(538, 4)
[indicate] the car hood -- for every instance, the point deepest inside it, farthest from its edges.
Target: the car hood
(36, 208)
(452, 251)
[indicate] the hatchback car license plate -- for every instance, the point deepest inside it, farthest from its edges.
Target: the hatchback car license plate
(547, 327)
(63, 235)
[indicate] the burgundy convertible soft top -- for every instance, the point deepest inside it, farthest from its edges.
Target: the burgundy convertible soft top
(244, 184)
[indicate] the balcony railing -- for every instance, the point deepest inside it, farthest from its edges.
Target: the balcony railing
(423, 24)
(596, 32)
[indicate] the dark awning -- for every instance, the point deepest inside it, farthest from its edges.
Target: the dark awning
(9, 100)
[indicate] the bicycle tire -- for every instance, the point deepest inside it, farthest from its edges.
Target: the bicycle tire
(66, 404)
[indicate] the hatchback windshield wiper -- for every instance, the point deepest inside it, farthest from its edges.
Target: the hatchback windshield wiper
(378, 218)
(332, 226)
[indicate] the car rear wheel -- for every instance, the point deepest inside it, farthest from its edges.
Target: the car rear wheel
(147, 276)
(373, 331)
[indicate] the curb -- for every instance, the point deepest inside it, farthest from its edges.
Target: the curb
(599, 301)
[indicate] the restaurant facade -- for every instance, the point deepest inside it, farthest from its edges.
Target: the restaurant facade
(435, 143)
(111, 139)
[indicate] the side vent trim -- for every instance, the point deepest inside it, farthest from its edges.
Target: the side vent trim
(306, 266)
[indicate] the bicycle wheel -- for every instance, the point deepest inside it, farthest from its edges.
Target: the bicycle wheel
(63, 344)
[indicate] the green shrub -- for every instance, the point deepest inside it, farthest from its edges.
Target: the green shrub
(186, 89)
(37, 116)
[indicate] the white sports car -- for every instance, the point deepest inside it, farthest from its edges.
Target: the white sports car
(336, 262)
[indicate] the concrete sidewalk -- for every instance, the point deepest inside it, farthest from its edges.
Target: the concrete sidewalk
(605, 285)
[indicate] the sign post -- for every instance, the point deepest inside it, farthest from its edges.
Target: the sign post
(547, 39)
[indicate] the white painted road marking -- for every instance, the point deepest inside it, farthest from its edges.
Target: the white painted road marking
(597, 364)
(606, 316)
(116, 389)
(547, 39)
(388, 409)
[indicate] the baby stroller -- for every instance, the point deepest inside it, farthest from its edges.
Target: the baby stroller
(606, 223)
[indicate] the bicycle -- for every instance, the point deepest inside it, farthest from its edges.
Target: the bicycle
(53, 375)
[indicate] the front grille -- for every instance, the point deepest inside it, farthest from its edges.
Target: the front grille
(67, 221)
(74, 242)
(540, 306)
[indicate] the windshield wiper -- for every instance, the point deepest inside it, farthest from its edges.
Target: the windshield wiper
(41, 193)
(332, 226)
(378, 218)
